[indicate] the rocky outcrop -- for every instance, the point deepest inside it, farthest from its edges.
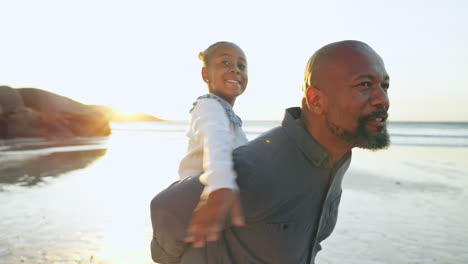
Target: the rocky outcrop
(30, 112)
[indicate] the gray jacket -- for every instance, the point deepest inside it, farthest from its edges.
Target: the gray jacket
(290, 194)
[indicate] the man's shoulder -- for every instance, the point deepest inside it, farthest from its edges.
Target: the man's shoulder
(264, 142)
(258, 154)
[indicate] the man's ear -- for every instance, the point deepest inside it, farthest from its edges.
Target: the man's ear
(314, 99)
(204, 74)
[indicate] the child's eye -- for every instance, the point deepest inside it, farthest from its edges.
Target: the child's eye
(226, 62)
(242, 67)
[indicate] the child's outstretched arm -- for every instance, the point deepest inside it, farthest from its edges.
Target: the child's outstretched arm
(209, 217)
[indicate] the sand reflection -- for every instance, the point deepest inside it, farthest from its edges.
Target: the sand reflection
(27, 166)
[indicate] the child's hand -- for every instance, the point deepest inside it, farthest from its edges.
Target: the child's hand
(208, 218)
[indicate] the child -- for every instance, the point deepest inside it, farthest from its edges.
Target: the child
(215, 130)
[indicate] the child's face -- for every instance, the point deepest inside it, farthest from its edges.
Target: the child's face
(226, 72)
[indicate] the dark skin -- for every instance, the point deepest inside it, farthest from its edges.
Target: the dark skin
(208, 218)
(226, 73)
(226, 76)
(351, 84)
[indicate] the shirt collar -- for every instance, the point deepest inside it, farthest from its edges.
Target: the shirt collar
(295, 128)
(227, 107)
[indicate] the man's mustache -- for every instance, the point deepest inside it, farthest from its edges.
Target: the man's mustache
(379, 113)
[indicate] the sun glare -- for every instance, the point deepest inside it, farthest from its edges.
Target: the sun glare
(123, 113)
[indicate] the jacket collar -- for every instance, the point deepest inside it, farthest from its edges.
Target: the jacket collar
(316, 153)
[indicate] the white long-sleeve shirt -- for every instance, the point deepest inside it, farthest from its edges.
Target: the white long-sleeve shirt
(214, 131)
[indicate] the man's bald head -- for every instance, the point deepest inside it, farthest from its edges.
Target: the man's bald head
(328, 55)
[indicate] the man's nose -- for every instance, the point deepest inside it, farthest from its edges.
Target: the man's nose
(380, 97)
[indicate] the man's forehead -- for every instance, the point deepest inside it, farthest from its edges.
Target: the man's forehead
(358, 62)
(346, 54)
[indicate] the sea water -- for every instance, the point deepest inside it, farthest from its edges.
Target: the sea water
(451, 134)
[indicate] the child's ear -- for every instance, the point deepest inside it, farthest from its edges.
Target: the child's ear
(204, 74)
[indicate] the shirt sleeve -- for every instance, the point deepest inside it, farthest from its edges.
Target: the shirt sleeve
(212, 126)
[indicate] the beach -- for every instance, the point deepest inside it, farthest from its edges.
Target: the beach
(402, 205)
(87, 201)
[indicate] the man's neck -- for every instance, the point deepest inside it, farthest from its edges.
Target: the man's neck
(335, 146)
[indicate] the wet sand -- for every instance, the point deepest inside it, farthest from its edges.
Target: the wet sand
(402, 205)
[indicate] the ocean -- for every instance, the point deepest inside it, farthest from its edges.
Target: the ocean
(86, 200)
(444, 134)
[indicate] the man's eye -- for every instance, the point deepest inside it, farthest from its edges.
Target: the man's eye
(242, 67)
(226, 62)
(385, 86)
(366, 84)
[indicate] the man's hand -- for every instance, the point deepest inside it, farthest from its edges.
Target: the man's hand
(209, 216)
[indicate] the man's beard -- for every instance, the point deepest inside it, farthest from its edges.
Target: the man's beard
(361, 138)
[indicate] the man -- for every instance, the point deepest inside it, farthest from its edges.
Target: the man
(290, 177)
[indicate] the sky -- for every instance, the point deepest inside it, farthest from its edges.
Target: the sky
(142, 55)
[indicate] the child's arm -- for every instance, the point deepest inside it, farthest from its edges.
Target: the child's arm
(209, 217)
(212, 126)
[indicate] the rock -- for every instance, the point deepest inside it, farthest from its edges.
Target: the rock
(10, 99)
(16, 120)
(31, 112)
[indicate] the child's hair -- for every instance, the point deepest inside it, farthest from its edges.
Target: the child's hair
(205, 55)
